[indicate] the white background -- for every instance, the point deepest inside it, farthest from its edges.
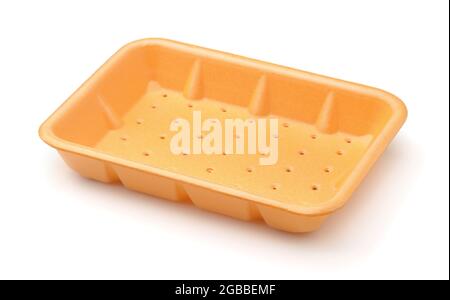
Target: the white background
(57, 225)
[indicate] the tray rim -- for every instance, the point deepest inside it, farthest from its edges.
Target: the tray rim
(376, 148)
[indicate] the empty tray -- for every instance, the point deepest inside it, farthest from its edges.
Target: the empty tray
(116, 128)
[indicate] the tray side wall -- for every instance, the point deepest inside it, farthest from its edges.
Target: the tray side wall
(203, 198)
(267, 91)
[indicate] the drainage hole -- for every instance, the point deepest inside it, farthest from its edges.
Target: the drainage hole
(348, 140)
(301, 152)
(264, 153)
(289, 170)
(124, 138)
(146, 154)
(327, 170)
(210, 170)
(286, 125)
(224, 110)
(139, 121)
(340, 152)
(164, 95)
(315, 187)
(275, 187)
(313, 136)
(162, 137)
(250, 170)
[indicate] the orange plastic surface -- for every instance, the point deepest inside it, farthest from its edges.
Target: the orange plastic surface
(115, 127)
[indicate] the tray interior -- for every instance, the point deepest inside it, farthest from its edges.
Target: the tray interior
(323, 131)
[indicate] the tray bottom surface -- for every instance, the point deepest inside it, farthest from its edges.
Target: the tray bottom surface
(310, 168)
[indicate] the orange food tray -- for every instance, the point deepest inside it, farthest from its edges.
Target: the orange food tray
(115, 128)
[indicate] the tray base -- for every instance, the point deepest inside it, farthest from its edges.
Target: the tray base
(310, 167)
